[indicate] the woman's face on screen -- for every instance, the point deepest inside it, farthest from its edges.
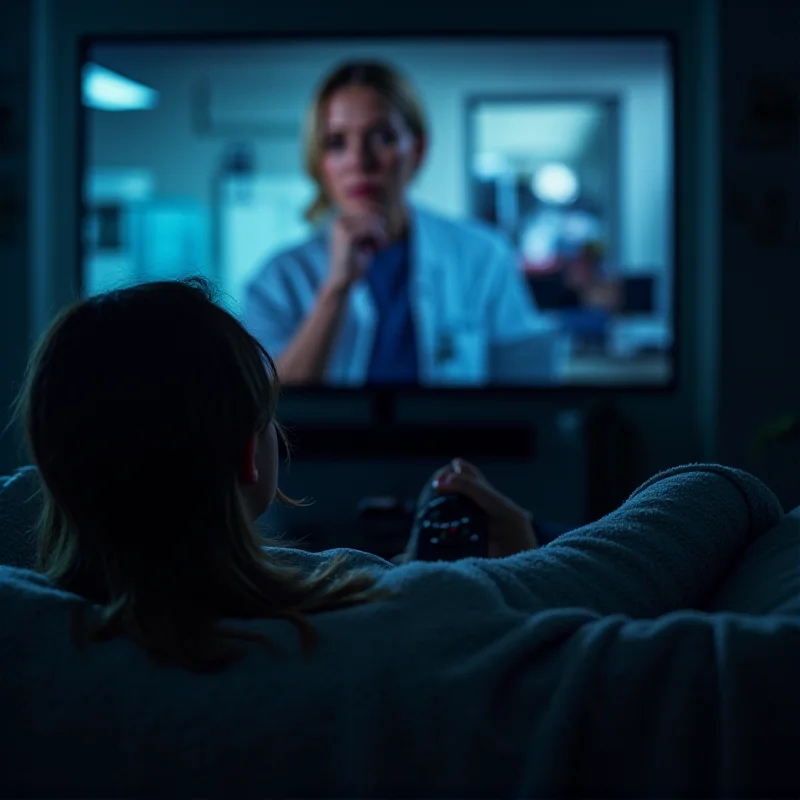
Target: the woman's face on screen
(369, 153)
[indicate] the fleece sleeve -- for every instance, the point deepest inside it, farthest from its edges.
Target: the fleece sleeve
(665, 549)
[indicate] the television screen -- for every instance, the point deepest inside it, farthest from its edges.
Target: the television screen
(432, 212)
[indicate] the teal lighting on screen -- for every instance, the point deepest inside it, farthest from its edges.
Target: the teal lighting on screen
(105, 90)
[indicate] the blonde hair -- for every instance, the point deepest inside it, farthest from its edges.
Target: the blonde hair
(389, 83)
(137, 407)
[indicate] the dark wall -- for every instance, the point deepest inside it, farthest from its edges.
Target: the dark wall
(14, 175)
(760, 363)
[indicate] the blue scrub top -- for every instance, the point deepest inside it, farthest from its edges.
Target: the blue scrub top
(394, 355)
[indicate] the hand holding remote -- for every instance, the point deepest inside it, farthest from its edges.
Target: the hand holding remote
(510, 527)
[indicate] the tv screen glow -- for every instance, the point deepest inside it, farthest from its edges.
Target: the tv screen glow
(534, 245)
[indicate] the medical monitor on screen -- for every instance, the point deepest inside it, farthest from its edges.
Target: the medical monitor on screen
(430, 212)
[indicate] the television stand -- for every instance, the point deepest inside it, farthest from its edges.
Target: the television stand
(382, 437)
(384, 407)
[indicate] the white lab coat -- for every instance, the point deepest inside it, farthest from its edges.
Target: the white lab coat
(475, 320)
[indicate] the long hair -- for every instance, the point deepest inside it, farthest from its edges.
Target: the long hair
(389, 83)
(137, 407)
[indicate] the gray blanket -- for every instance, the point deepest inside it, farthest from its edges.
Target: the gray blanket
(586, 668)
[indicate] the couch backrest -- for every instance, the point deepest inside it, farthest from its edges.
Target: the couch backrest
(766, 579)
(19, 511)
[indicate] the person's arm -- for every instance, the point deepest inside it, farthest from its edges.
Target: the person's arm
(663, 550)
(543, 685)
(353, 242)
(304, 359)
(273, 313)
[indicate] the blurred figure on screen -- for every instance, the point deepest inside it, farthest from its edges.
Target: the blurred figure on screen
(387, 292)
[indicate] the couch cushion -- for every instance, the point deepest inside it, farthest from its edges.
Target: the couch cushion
(19, 511)
(766, 580)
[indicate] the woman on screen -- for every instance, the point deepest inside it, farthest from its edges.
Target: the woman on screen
(387, 292)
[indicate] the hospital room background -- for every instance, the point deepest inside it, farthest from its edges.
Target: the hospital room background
(686, 171)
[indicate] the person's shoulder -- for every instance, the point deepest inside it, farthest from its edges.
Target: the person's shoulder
(309, 562)
(470, 233)
(26, 582)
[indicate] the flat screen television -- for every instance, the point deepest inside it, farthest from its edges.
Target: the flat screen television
(414, 212)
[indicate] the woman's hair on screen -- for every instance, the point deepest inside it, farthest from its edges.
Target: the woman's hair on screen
(137, 407)
(384, 79)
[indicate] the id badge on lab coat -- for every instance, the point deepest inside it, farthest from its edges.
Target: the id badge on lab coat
(460, 356)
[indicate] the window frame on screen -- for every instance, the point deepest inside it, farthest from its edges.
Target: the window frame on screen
(383, 397)
(610, 101)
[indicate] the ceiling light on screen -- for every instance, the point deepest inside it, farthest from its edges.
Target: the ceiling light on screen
(556, 183)
(105, 90)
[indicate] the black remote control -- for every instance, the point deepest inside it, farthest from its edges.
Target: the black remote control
(449, 527)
